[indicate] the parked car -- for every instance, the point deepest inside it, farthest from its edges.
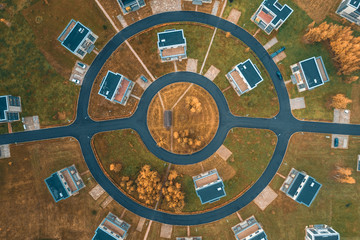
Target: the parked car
(144, 79)
(76, 81)
(278, 73)
(336, 142)
(83, 66)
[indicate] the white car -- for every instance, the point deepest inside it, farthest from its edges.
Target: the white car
(83, 66)
(74, 80)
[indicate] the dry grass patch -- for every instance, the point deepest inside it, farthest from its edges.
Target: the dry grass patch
(318, 9)
(195, 118)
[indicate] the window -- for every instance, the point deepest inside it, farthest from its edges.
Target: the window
(91, 37)
(82, 53)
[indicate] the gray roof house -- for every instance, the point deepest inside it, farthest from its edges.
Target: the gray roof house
(172, 45)
(209, 186)
(112, 228)
(131, 5)
(116, 88)
(249, 229)
(300, 187)
(350, 9)
(309, 73)
(78, 39)
(244, 77)
(321, 232)
(271, 15)
(10, 107)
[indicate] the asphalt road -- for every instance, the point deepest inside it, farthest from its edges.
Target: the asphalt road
(83, 128)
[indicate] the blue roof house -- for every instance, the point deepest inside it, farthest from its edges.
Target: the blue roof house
(244, 77)
(209, 186)
(321, 232)
(271, 15)
(78, 39)
(131, 5)
(309, 73)
(111, 228)
(350, 9)
(189, 238)
(172, 45)
(116, 88)
(64, 183)
(10, 107)
(300, 187)
(249, 229)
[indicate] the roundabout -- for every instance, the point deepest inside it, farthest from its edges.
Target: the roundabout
(83, 129)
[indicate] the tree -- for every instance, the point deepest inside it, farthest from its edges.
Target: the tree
(148, 185)
(172, 193)
(340, 101)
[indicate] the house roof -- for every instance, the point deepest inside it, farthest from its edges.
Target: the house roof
(261, 236)
(295, 185)
(56, 187)
(311, 73)
(250, 73)
(75, 37)
(3, 107)
(211, 192)
(109, 85)
(355, 3)
(171, 37)
(102, 235)
(308, 192)
(282, 12)
(327, 238)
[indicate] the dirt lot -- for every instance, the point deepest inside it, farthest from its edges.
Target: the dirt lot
(195, 118)
(318, 9)
(99, 107)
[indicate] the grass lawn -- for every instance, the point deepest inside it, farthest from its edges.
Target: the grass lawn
(259, 102)
(125, 147)
(48, 21)
(290, 36)
(250, 148)
(25, 72)
(145, 44)
(336, 204)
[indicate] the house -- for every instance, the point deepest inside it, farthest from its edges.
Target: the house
(300, 187)
(189, 238)
(271, 15)
(10, 107)
(167, 118)
(321, 232)
(131, 5)
(244, 77)
(5, 151)
(64, 183)
(309, 73)
(249, 229)
(209, 186)
(350, 9)
(172, 45)
(116, 88)
(78, 39)
(111, 228)
(200, 2)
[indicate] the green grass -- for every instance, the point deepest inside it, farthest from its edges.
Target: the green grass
(125, 147)
(25, 72)
(3, 128)
(259, 102)
(336, 204)
(252, 151)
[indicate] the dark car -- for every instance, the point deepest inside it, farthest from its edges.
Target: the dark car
(278, 73)
(336, 142)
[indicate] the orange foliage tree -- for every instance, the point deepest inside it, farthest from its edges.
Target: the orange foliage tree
(172, 193)
(340, 101)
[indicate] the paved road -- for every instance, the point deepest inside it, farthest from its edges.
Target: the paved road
(83, 129)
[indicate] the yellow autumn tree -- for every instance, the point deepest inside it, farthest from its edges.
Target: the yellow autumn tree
(172, 193)
(340, 101)
(148, 185)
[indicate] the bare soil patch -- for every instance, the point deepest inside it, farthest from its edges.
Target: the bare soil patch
(194, 118)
